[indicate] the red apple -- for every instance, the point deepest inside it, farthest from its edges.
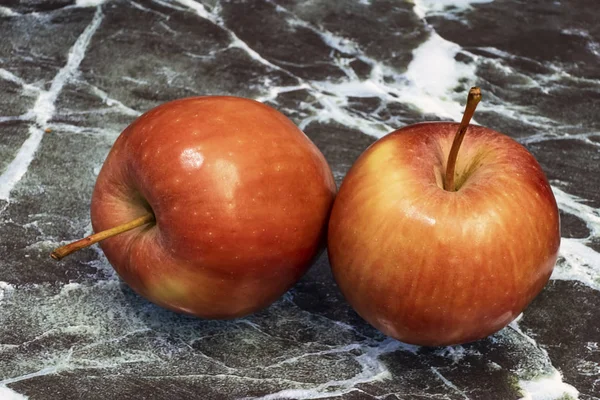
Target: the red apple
(237, 197)
(433, 265)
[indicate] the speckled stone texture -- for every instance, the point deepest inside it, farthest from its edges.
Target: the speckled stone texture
(72, 76)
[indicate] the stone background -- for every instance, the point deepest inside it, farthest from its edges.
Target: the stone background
(73, 75)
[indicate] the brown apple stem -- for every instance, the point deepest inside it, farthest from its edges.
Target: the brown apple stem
(472, 101)
(96, 237)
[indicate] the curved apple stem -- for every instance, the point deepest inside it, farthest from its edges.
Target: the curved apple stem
(472, 101)
(96, 237)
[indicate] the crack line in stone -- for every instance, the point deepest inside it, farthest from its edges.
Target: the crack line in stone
(101, 94)
(448, 383)
(9, 76)
(44, 108)
(61, 365)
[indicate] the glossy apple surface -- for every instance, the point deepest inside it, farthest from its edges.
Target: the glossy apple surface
(433, 267)
(241, 199)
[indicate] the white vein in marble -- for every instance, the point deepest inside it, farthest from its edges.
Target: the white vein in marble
(44, 108)
(424, 8)
(8, 394)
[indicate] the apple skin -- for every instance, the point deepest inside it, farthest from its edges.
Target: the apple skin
(241, 199)
(432, 267)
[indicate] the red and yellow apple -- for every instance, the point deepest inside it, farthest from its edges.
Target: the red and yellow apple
(228, 199)
(433, 266)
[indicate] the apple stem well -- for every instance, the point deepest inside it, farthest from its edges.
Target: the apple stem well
(64, 251)
(472, 100)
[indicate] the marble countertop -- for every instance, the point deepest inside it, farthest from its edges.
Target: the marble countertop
(73, 75)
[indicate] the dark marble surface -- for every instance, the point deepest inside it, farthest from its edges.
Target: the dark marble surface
(72, 76)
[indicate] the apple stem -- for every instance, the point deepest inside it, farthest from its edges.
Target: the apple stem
(64, 251)
(472, 100)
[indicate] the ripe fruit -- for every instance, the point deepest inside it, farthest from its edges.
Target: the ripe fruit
(218, 204)
(432, 249)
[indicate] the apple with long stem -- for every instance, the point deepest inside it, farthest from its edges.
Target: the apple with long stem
(442, 233)
(211, 206)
